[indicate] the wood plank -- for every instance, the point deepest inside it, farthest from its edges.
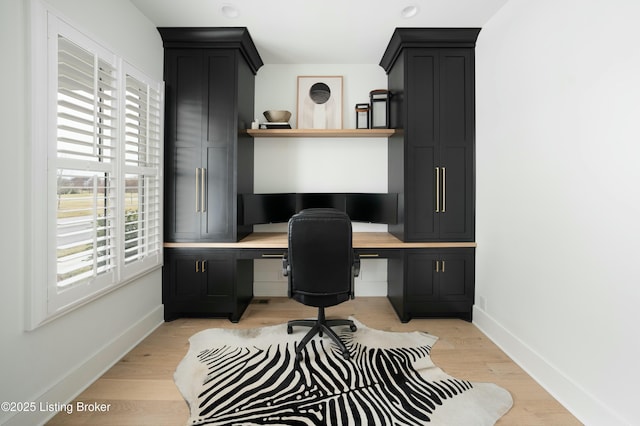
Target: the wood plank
(321, 133)
(362, 240)
(141, 391)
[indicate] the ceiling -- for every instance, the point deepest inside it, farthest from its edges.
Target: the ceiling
(319, 31)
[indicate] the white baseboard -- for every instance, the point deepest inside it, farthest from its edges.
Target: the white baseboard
(80, 378)
(574, 398)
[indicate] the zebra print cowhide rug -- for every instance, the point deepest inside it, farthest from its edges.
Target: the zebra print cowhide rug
(251, 377)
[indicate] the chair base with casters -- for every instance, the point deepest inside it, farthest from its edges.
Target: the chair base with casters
(320, 326)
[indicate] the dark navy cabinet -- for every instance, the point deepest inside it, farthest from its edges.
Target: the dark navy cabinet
(431, 162)
(200, 282)
(209, 84)
(432, 168)
(209, 103)
(440, 283)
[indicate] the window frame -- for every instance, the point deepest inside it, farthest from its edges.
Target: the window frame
(45, 299)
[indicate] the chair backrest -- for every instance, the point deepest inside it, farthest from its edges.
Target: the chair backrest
(320, 257)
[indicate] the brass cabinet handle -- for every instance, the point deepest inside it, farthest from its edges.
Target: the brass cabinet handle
(197, 190)
(203, 188)
(369, 255)
(272, 256)
(440, 266)
(444, 192)
(201, 266)
(437, 189)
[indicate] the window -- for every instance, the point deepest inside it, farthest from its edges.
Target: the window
(97, 149)
(142, 144)
(85, 167)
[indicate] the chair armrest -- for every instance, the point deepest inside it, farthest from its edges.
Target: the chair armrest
(356, 265)
(286, 268)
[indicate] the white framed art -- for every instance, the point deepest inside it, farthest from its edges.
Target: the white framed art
(319, 102)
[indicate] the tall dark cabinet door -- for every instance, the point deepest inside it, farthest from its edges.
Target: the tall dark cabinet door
(185, 82)
(422, 152)
(218, 143)
(456, 137)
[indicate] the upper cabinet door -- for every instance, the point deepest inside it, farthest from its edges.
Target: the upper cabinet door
(185, 109)
(218, 145)
(456, 100)
(456, 143)
(422, 154)
(439, 145)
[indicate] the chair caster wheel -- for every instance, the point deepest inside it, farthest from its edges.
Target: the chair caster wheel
(289, 329)
(298, 357)
(346, 356)
(352, 327)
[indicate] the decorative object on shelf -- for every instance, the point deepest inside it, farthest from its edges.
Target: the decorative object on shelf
(362, 116)
(319, 102)
(380, 108)
(276, 119)
(274, 115)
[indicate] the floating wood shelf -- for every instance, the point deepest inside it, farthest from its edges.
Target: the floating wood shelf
(321, 133)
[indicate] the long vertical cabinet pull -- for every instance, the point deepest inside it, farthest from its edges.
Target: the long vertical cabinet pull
(203, 188)
(441, 190)
(437, 189)
(444, 194)
(197, 190)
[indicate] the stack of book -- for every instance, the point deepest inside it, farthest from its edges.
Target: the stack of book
(275, 125)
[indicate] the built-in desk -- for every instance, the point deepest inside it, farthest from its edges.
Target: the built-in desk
(425, 279)
(361, 240)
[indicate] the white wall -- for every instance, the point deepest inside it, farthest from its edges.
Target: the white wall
(319, 164)
(558, 89)
(55, 361)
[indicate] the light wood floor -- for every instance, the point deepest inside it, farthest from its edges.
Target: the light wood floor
(141, 390)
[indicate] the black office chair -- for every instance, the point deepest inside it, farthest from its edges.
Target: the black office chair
(320, 266)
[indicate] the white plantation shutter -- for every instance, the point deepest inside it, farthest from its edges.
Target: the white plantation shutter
(97, 152)
(142, 165)
(86, 105)
(86, 139)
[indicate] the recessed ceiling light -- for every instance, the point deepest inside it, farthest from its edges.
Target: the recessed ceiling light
(230, 11)
(409, 11)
